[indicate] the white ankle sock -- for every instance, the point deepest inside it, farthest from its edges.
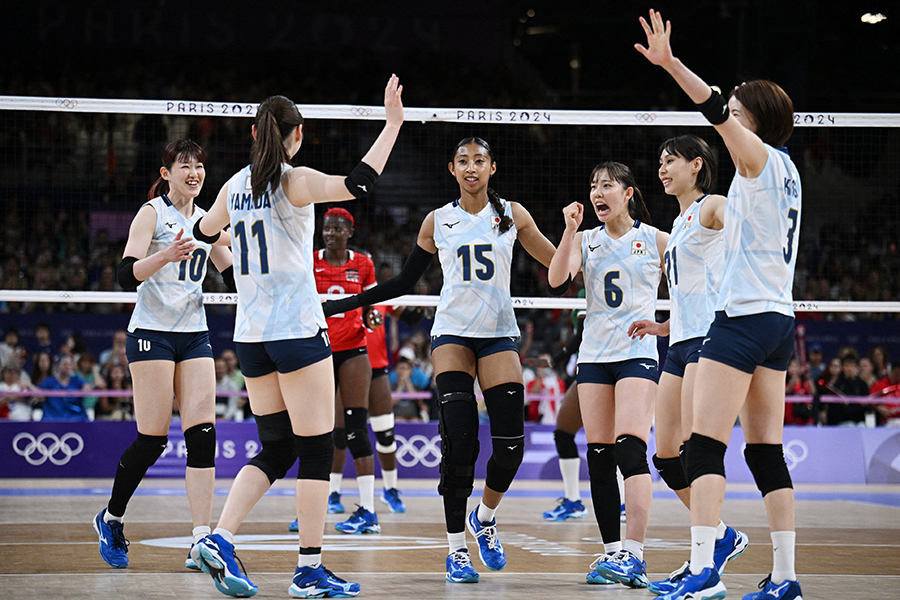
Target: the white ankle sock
(569, 467)
(200, 532)
(457, 541)
(484, 513)
(366, 485)
(226, 535)
(309, 560)
(108, 516)
(389, 478)
(635, 548)
(612, 547)
(783, 556)
(720, 530)
(334, 482)
(703, 546)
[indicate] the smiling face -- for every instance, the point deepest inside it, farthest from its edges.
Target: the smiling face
(335, 233)
(741, 114)
(185, 176)
(609, 197)
(472, 166)
(677, 174)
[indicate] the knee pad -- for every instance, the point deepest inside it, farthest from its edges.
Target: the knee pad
(340, 438)
(458, 425)
(766, 462)
(631, 456)
(200, 441)
(277, 439)
(356, 422)
(144, 452)
(703, 456)
(506, 409)
(601, 459)
(314, 454)
(671, 471)
(383, 426)
(565, 444)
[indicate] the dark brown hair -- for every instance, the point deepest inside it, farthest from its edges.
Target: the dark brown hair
(637, 208)
(771, 108)
(276, 118)
(505, 221)
(178, 151)
(690, 147)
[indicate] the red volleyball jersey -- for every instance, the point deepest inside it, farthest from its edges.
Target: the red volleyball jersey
(345, 330)
(376, 342)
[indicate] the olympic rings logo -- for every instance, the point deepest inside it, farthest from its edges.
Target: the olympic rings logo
(360, 111)
(418, 450)
(66, 103)
(795, 452)
(37, 451)
(645, 117)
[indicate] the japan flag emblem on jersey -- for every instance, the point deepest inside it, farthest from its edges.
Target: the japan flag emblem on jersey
(495, 222)
(638, 247)
(689, 221)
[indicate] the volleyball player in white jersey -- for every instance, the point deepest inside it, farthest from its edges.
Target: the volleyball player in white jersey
(474, 334)
(280, 333)
(622, 264)
(168, 344)
(746, 351)
(694, 259)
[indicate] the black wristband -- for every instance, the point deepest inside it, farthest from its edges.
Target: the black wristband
(715, 109)
(228, 278)
(125, 273)
(412, 315)
(361, 180)
(562, 289)
(199, 235)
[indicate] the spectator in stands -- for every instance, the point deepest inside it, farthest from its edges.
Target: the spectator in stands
(848, 383)
(63, 408)
(232, 368)
(815, 362)
(14, 408)
(42, 343)
(89, 371)
(42, 369)
(867, 371)
(797, 384)
(115, 408)
(880, 361)
(888, 387)
(407, 409)
(228, 402)
(9, 347)
(113, 354)
(547, 384)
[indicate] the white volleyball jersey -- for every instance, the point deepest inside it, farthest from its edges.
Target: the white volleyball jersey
(476, 260)
(694, 260)
(272, 244)
(172, 298)
(762, 230)
(621, 278)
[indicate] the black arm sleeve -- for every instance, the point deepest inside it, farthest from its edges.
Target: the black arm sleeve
(412, 316)
(570, 347)
(125, 273)
(415, 267)
(562, 289)
(228, 278)
(199, 235)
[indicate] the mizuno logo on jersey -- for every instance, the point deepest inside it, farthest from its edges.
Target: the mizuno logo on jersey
(592, 248)
(450, 225)
(638, 247)
(170, 225)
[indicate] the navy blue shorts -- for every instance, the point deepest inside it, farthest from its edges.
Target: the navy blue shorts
(480, 346)
(285, 356)
(761, 340)
(146, 344)
(612, 372)
(682, 354)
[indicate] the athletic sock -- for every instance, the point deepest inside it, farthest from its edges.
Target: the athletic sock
(783, 556)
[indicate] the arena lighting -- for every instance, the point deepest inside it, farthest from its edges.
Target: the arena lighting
(872, 19)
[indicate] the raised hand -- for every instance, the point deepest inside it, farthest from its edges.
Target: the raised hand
(393, 104)
(658, 50)
(573, 213)
(180, 249)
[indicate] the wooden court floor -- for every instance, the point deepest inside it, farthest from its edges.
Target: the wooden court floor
(848, 544)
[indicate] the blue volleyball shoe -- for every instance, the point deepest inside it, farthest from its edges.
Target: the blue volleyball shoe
(334, 504)
(391, 497)
(361, 521)
(319, 582)
(217, 557)
(490, 551)
(595, 578)
(566, 509)
(671, 582)
(705, 586)
(191, 561)
(786, 590)
(460, 569)
(622, 567)
(294, 526)
(113, 545)
(729, 547)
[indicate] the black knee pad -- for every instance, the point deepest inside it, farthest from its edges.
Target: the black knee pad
(703, 456)
(565, 444)
(340, 438)
(631, 456)
(601, 459)
(314, 455)
(506, 409)
(200, 441)
(766, 462)
(144, 451)
(356, 422)
(277, 439)
(458, 425)
(671, 471)
(383, 426)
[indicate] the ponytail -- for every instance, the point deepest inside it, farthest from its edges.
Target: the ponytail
(276, 118)
(637, 208)
(160, 187)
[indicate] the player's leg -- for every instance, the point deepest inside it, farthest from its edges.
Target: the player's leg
(568, 422)
(381, 418)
